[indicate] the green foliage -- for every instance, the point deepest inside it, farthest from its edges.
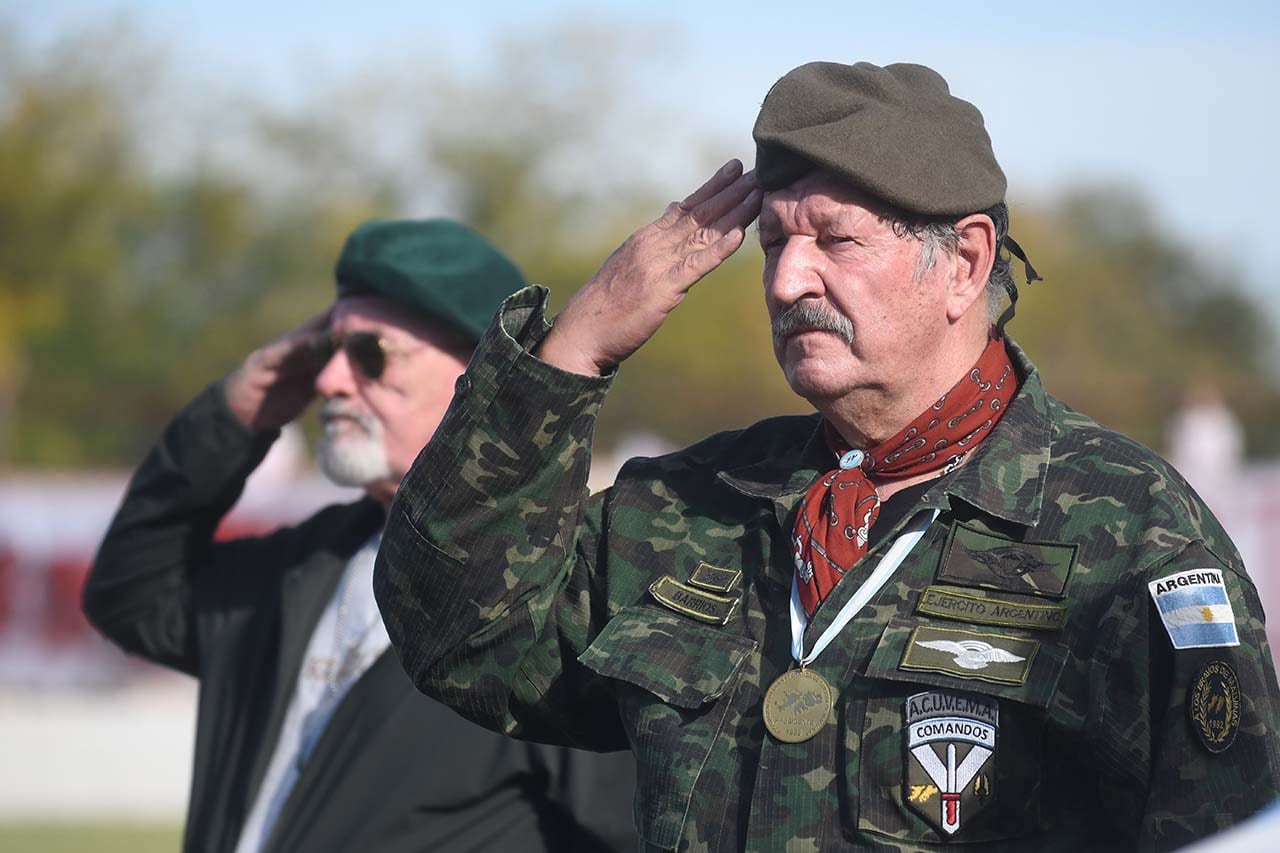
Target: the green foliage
(1129, 319)
(122, 292)
(124, 288)
(79, 836)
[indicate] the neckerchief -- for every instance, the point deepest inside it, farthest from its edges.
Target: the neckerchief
(839, 509)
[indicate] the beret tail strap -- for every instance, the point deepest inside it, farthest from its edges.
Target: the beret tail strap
(1012, 287)
(1016, 251)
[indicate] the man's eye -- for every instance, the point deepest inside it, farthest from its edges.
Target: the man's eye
(836, 239)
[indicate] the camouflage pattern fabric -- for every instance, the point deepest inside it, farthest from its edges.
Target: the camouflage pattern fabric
(523, 603)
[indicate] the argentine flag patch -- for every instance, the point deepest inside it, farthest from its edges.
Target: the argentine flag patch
(1195, 609)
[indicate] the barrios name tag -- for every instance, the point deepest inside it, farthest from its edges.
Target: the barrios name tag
(693, 602)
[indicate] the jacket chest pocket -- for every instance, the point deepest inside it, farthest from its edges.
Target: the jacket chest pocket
(672, 681)
(952, 734)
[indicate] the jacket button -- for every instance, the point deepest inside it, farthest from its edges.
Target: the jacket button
(462, 386)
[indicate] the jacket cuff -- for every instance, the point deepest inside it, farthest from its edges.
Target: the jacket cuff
(512, 401)
(505, 355)
(208, 442)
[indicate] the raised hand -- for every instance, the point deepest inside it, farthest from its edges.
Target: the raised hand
(624, 303)
(277, 381)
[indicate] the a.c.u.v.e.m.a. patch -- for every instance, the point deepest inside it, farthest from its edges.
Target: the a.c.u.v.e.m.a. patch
(951, 745)
(1195, 609)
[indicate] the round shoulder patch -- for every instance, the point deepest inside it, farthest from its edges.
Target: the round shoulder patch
(1213, 702)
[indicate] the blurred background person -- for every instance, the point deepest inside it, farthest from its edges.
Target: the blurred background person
(309, 737)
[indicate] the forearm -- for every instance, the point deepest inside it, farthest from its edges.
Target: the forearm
(139, 590)
(484, 545)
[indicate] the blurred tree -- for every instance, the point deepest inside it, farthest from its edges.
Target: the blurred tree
(67, 195)
(123, 290)
(124, 287)
(533, 138)
(1130, 317)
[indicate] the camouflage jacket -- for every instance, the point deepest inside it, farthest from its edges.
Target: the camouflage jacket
(1013, 684)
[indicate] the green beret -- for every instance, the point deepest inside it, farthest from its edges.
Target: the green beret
(435, 267)
(894, 132)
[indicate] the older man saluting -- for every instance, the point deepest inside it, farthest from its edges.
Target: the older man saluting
(944, 609)
(309, 737)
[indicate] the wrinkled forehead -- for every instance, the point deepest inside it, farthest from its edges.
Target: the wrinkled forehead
(817, 198)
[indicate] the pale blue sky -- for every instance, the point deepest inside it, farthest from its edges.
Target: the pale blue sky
(1177, 98)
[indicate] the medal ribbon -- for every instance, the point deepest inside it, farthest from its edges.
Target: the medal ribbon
(892, 559)
(839, 509)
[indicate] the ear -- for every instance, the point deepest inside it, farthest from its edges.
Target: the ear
(975, 254)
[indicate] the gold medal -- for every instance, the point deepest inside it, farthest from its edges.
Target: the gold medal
(797, 705)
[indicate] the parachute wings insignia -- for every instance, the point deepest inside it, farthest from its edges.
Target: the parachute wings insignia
(973, 654)
(982, 655)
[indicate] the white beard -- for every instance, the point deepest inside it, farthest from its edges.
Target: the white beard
(351, 450)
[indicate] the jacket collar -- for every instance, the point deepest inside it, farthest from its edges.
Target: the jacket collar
(777, 475)
(1004, 478)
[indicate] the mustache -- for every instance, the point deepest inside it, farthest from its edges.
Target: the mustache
(807, 315)
(336, 408)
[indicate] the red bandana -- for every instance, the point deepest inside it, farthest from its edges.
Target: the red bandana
(841, 506)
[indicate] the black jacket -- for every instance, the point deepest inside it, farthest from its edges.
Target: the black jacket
(393, 771)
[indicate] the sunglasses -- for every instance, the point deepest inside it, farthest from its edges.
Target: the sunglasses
(365, 350)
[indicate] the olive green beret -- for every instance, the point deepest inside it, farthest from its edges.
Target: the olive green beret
(895, 132)
(436, 267)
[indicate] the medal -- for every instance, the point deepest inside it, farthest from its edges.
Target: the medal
(797, 705)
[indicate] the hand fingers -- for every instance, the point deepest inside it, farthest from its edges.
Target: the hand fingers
(291, 353)
(317, 323)
(725, 176)
(732, 230)
(300, 338)
(717, 205)
(299, 359)
(736, 207)
(704, 261)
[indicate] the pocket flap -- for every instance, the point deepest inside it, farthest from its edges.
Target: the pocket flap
(679, 661)
(995, 661)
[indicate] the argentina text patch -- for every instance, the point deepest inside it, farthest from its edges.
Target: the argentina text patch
(1195, 609)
